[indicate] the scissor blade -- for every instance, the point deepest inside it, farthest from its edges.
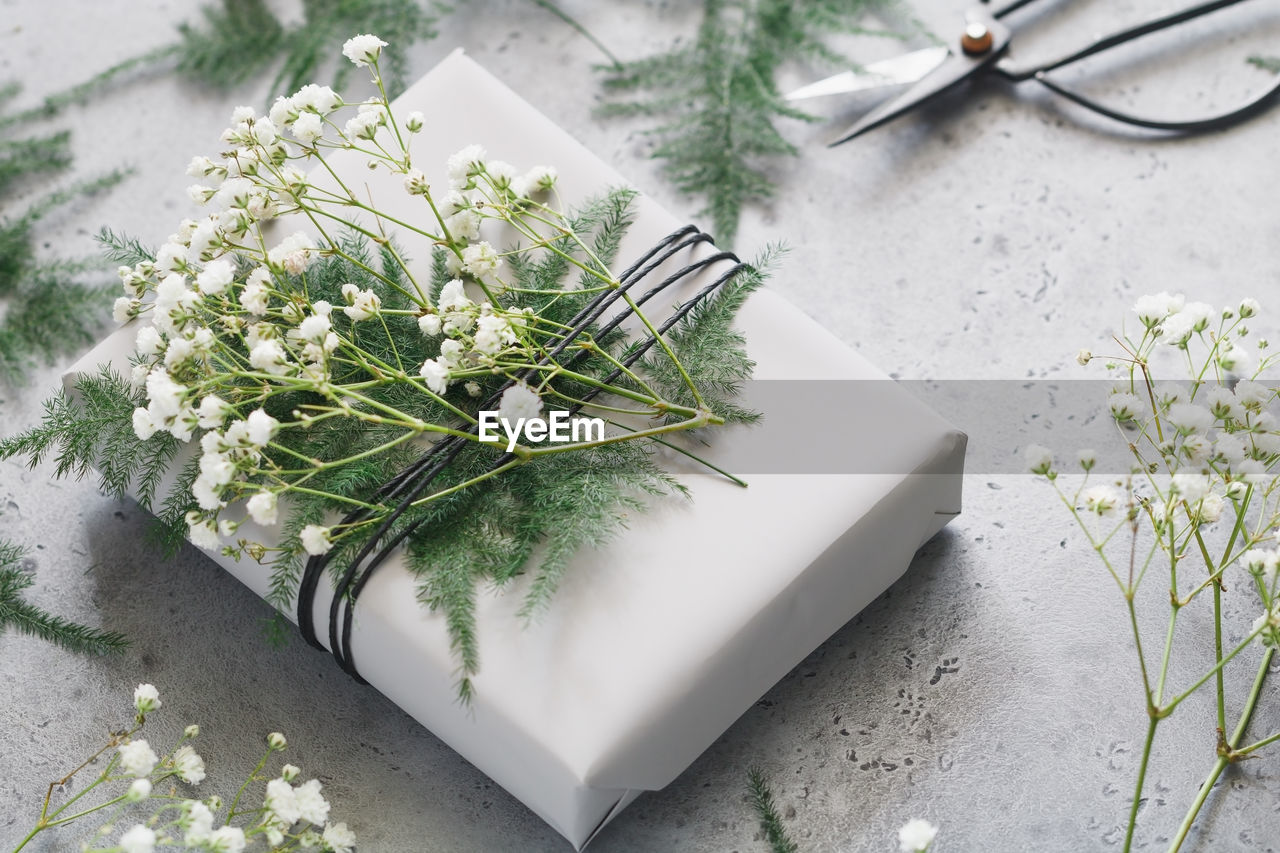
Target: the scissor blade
(956, 67)
(908, 68)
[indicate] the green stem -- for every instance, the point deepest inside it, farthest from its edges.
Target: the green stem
(1224, 759)
(1253, 747)
(1153, 721)
(1217, 669)
(1217, 651)
(583, 31)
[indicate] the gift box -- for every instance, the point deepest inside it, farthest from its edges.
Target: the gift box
(655, 644)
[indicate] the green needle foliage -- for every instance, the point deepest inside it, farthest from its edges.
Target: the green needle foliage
(530, 520)
(770, 822)
(27, 618)
(716, 102)
(236, 40)
(1267, 63)
(51, 307)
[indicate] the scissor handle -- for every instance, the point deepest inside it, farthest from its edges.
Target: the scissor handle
(1114, 40)
(1215, 122)
(1041, 73)
(999, 10)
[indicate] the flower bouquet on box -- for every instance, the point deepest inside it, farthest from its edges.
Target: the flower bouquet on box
(491, 412)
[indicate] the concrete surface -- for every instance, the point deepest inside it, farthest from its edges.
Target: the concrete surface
(991, 691)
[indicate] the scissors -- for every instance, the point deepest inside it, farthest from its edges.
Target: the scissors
(983, 47)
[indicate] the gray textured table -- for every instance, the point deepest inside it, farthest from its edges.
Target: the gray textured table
(991, 690)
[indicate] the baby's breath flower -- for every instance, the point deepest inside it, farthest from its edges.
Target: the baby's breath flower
(196, 821)
(519, 401)
(363, 125)
(312, 807)
(137, 758)
(213, 411)
(414, 121)
(191, 731)
(1189, 417)
(1124, 406)
(1211, 508)
(289, 772)
(269, 356)
(415, 183)
(138, 839)
(436, 375)
(188, 765)
(1190, 487)
(139, 790)
(1154, 308)
(281, 801)
(480, 260)
(146, 698)
(1236, 359)
(1249, 307)
(1269, 625)
(1083, 357)
(339, 839)
(262, 427)
(202, 533)
(308, 128)
(429, 324)
(292, 254)
(226, 839)
(143, 425)
(363, 49)
(315, 540)
(362, 304)
(916, 835)
(493, 333)
(1196, 449)
(1039, 459)
(465, 165)
(1088, 458)
(1258, 560)
(1101, 499)
(125, 309)
(262, 508)
(501, 173)
(541, 178)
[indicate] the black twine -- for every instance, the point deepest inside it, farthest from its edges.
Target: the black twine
(407, 486)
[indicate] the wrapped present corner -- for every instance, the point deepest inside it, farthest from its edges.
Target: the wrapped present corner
(654, 645)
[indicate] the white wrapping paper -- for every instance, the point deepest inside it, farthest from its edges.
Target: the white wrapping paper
(654, 645)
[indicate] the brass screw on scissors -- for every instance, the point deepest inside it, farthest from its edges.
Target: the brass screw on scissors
(983, 46)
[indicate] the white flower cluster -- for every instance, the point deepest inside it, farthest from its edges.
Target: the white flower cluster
(1175, 322)
(1201, 447)
(476, 186)
(226, 321)
(298, 815)
(916, 835)
(477, 334)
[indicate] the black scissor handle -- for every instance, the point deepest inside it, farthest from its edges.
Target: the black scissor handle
(1040, 73)
(999, 10)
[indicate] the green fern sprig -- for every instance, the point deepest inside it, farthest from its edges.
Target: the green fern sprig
(237, 40)
(767, 813)
(20, 615)
(1266, 63)
(716, 102)
(52, 306)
